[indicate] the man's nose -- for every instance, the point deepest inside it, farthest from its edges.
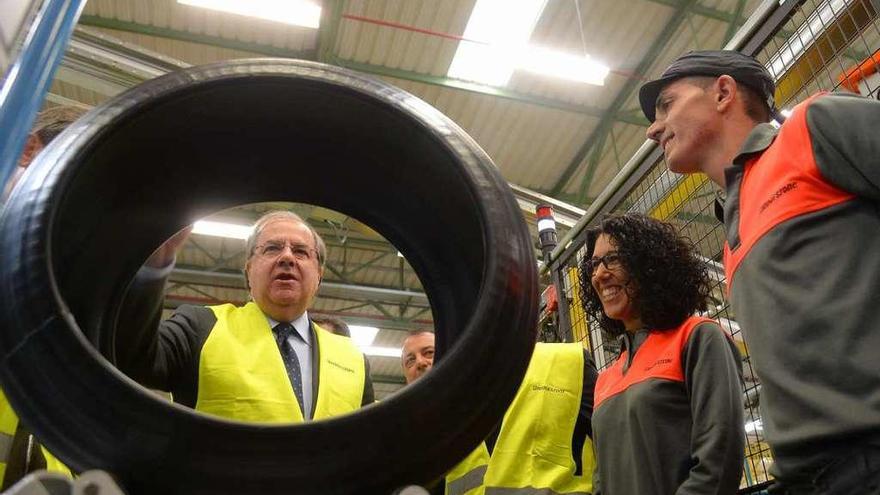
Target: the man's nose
(655, 131)
(286, 255)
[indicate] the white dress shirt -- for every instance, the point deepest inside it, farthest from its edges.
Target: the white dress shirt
(301, 342)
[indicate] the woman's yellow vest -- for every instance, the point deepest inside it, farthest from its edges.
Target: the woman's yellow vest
(8, 426)
(242, 375)
(533, 453)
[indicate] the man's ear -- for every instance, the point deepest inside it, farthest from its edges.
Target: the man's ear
(32, 147)
(725, 92)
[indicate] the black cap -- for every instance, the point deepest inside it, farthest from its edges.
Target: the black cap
(713, 63)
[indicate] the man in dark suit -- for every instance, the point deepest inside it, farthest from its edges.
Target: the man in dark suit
(264, 361)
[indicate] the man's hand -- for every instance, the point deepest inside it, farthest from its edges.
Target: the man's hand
(164, 255)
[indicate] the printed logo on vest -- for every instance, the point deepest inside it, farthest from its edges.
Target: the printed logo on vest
(345, 368)
(549, 388)
(778, 194)
(658, 363)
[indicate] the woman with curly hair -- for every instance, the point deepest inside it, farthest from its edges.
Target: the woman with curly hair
(668, 413)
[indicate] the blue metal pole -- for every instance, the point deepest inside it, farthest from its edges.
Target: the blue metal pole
(29, 77)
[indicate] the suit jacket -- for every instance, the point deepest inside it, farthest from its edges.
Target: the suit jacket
(165, 355)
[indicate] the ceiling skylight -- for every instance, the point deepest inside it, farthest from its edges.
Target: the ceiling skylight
(497, 27)
(562, 65)
(496, 44)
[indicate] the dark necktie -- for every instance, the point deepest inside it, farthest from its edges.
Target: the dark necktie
(282, 333)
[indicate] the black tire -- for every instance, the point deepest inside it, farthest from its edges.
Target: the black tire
(118, 182)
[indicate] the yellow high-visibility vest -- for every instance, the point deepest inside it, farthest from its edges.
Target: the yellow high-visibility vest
(8, 426)
(533, 453)
(242, 375)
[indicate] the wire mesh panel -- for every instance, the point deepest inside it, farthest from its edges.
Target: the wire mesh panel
(826, 45)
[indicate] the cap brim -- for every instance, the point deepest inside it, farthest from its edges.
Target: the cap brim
(648, 94)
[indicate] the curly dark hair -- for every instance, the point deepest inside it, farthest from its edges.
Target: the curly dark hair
(671, 282)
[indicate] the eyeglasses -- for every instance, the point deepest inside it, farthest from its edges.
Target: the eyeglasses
(273, 249)
(611, 260)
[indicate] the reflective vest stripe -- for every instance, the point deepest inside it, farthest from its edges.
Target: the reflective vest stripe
(476, 462)
(470, 480)
(8, 425)
(528, 491)
(5, 446)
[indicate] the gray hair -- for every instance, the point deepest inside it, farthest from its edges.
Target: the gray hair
(275, 215)
(51, 121)
(272, 216)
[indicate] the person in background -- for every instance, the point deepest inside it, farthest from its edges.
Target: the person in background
(17, 455)
(332, 325)
(668, 413)
(802, 236)
(544, 442)
(417, 356)
(48, 124)
(264, 361)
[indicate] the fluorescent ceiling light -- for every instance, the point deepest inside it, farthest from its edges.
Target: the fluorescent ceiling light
(220, 229)
(805, 36)
(363, 336)
(295, 12)
(498, 27)
(381, 351)
(562, 65)
(492, 49)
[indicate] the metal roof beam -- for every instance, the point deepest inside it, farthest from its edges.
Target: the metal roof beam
(348, 291)
(162, 32)
(564, 213)
(702, 10)
(733, 25)
(172, 301)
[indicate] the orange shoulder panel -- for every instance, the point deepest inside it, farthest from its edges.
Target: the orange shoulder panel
(781, 183)
(659, 357)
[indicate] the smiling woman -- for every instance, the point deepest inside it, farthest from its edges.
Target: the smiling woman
(673, 398)
(658, 271)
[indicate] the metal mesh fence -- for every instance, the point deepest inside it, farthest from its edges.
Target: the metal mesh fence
(824, 45)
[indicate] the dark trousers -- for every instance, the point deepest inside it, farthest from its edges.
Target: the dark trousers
(854, 474)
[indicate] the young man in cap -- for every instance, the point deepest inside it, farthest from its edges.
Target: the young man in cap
(802, 224)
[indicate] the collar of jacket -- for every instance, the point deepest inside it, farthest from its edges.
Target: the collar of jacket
(758, 140)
